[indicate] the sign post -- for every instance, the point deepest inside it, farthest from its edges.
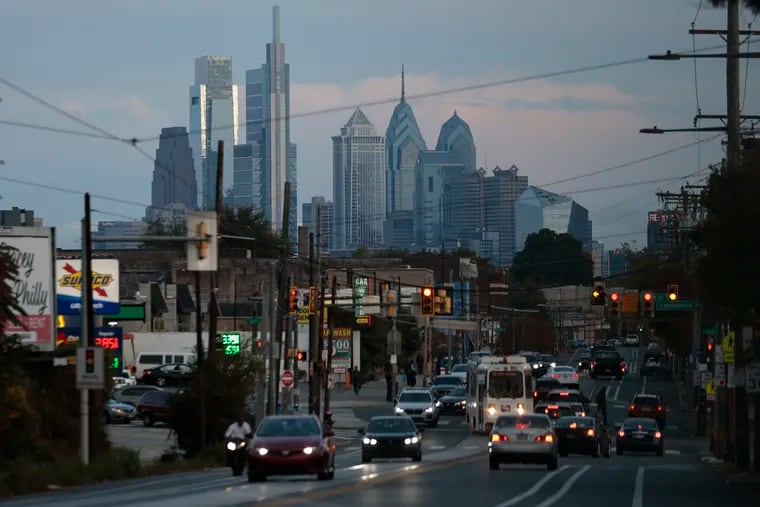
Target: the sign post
(90, 368)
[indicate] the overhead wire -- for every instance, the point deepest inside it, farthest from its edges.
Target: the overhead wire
(746, 65)
(697, 120)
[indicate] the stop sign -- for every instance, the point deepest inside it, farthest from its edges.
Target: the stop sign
(286, 379)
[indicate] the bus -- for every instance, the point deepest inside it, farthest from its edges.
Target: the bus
(497, 385)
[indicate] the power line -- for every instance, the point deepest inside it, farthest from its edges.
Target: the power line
(54, 129)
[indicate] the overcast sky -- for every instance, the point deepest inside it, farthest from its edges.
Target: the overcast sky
(126, 68)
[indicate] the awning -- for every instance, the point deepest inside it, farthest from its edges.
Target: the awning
(157, 302)
(185, 303)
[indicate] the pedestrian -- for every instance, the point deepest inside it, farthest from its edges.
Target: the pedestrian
(411, 375)
(355, 380)
(388, 384)
(601, 403)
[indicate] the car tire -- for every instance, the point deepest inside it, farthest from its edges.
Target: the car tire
(595, 451)
(148, 420)
(661, 451)
(619, 451)
(366, 458)
(434, 423)
(417, 457)
(563, 453)
(160, 382)
(552, 464)
(493, 464)
(106, 418)
(619, 377)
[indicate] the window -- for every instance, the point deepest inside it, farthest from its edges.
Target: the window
(647, 424)
(447, 380)
(421, 397)
(522, 422)
(151, 359)
(579, 422)
(430, 184)
(394, 425)
(296, 427)
(505, 384)
(459, 391)
(566, 397)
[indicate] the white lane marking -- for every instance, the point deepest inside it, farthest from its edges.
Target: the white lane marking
(619, 405)
(532, 491)
(607, 391)
(565, 488)
(444, 423)
(644, 385)
(668, 452)
(471, 447)
(617, 392)
(437, 447)
(351, 449)
(638, 489)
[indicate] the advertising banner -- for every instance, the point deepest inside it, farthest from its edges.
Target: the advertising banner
(32, 250)
(105, 286)
(342, 345)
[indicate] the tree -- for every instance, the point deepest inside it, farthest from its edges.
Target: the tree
(753, 5)
(552, 259)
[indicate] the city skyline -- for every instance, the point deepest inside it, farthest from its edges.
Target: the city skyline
(510, 123)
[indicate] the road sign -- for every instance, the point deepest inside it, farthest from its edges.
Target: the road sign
(728, 344)
(662, 304)
(91, 372)
(254, 320)
(393, 342)
(202, 256)
(753, 378)
(287, 379)
(630, 302)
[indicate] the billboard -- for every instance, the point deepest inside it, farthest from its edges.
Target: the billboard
(105, 286)
(32, 250)
(109, 338)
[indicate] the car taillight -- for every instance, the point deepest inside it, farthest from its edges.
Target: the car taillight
(658, 435)
(548, 438)
(590, 432)
(499, 438)
(575, 375)
(622, 364)
(621, 433)
(555, 376)
(593, 363)
(632, 407)
(535, 394)
(660, 408)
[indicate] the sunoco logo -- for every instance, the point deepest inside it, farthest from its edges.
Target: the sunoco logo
(73, 280)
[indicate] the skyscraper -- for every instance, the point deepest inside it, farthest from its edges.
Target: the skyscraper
(324, 208)
(540, 209)
(359, 171)
(268, 126)
(213, 117)
(173, 172)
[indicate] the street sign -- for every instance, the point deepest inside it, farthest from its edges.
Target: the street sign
(393, 342)
(630, 302)
(662, 304)
(91, 372)
(287, 379)
(254, 320)
(728, 344)
(753, 378)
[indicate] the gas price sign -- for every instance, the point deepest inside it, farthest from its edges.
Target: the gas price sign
(230, 343)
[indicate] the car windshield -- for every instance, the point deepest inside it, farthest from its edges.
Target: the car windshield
(548, 383)
(575, 422)
(564, 369)
(458, 392)
(645, 400)
(447, 380)
(521, 422)
(546, 358)
(645, 424)
(391, 425)
(422, 397)
(459, 368)
(556, 411)
(606, 354)
(113, 402)
(505, 384)
(295, 427)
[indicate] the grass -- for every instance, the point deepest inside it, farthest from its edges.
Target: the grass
(26, 477)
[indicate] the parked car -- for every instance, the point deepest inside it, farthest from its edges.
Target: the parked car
(169, 375)
(115, 412)
(155, 406)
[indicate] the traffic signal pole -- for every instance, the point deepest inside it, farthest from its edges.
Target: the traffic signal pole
(282, 288)
(86, 331)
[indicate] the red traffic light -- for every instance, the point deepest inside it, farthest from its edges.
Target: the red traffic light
(709, 346)
(614, 296)
(647, 296)
(427, 292)
(294, 292)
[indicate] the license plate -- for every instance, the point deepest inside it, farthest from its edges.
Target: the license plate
(506, 408)
(639, 437)
(522, 437)
(570, 435)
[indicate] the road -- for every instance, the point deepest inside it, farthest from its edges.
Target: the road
(454, 472)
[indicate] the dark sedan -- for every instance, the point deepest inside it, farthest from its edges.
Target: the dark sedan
(584, 361)
(543, 387)
(115, 412)
(578, 435)
(454, 402)
(638, 434)
(169, 375)
(444, 384)
(291, 445)
(391, 437)
(555, 410)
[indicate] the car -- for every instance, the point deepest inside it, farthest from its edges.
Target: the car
(291, 445)
(132, 394)
(584, 361)
(579, 435)
(391, 437)
(545, 361)
(455, 402)
(653, 368)
(460, 370)
(543, 387)
(648, 405)
(419, 404)
(155, 406)
(443, 384)
(565, 375)
(175, 374)
(607, 362)
(631, 340)
(115, 412)
(568, 396)
(555, 411)
(640, 434)
(526, 438)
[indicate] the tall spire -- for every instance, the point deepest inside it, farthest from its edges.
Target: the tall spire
(403, 91)
(276, 24)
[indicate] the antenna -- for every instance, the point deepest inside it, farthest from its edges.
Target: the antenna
(276, 24)
(403, 90)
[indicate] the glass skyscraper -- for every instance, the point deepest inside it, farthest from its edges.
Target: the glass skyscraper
(540, 209)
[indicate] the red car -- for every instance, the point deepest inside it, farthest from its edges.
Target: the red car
(291, 445)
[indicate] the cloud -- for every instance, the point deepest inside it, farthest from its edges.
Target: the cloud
(119, 111)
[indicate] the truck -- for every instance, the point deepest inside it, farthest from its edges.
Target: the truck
(605, 362)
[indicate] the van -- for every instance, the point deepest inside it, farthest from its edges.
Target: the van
(148, 360)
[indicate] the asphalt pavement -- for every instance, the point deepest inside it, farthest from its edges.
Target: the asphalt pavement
(454, 470)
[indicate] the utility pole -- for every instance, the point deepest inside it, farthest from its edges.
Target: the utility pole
(320, 364)
(282, 279)
(199, 351)
(213, 302)
(331, 319)
(87, 329)
(272, 351)
(313, 337)
(287, 392)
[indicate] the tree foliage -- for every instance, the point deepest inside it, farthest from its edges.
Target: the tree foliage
(552, 259)
(753, 5)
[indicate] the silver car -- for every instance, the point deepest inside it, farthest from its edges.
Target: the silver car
(527, 438)
(420, 405)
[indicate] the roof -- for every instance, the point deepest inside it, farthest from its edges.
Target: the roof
(449, 130)
(358, 118)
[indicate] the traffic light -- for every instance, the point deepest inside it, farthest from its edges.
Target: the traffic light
(201, 230)
(427, 304)
(259, 345)
(312, 300)
(614, 304)
(293, 300)
(598, 296)
(89, 361)
(302, 355)
(673, 292)
(647, 303)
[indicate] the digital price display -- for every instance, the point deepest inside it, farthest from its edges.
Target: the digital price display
(230, 343)
(108, 342)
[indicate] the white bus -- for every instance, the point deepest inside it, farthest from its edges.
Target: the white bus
(497, 385)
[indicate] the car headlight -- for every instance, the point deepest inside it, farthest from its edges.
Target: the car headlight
(491, 410)
(520, 408)
(308, 450)
(553, 365)
(263, 451)
(535, 366)
(411, 441)
(399, 410)
(429, 410)
(231, 446)
(369, 441)
(462, 402)
(438, 403)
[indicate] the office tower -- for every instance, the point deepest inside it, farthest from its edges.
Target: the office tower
(173, 171)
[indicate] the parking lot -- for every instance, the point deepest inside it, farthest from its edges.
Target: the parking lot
(151, 443)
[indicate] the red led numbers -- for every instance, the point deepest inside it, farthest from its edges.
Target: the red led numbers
(111, 343)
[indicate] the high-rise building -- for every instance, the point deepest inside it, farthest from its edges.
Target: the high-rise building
(540, 209)
(599, 258)
(359, 172)
(502, 192)
(213, 117)
(403, 144)
(173, 171)
(267, 91)
(19, 217)
(323, 208)
(657, 240)
(119, 228)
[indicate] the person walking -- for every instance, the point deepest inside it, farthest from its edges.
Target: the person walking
(601, 403)
(355, 381)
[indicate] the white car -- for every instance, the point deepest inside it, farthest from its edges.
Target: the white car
(460, 370)
(565, 375)
(632, 340)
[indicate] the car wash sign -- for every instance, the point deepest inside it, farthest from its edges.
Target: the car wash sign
(105, 286)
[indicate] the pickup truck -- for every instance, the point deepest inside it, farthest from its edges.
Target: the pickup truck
(607, 362)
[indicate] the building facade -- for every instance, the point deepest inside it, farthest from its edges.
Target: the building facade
(19, 217)
(213, 118)
(540, 209)
(119, 228)
(359, 189)
(173, 171)
(502, 191)
(323, 208)
(657, 240)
